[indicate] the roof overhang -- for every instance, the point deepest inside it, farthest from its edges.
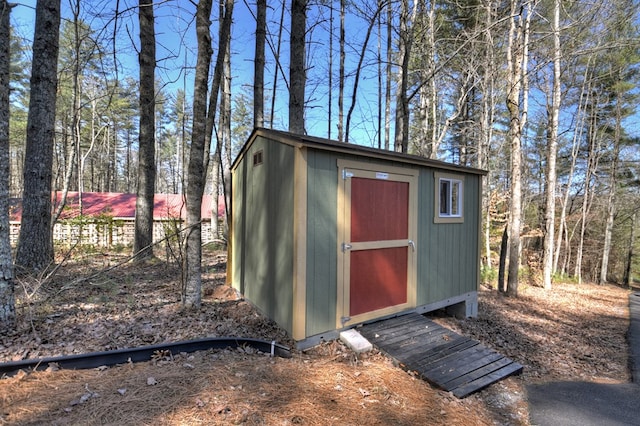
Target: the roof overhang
(301, 141)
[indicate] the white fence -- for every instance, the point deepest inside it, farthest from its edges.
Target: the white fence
(110, 233)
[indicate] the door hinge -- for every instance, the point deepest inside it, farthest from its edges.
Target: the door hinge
(346, 174)
(345, 320)
(346, 246)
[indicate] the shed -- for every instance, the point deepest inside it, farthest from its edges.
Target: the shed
(328, 235)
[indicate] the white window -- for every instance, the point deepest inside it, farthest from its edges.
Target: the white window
(448, 198)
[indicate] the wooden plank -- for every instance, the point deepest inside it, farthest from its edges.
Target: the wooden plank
(424, 359)
(416, 351)
(393, 323)
(447, 372)
(426, 335)
(484, 381)
(461, 358)
(444, 350)
(404, 344)
(477, 373)
(395, 336)
(442, 357)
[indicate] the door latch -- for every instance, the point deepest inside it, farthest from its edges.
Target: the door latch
(412, 245)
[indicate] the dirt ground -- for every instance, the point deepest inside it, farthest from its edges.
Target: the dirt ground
(573, 332)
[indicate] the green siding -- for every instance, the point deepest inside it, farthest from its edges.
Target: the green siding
(448, 252)
(263, 230)
(322, 229)
(263, 240)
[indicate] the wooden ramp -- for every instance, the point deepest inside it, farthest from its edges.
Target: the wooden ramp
(443, 358)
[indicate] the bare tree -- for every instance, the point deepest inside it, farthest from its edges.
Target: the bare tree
(297, 71)
(594, 141)
(341, 77)
(191, 296)
(258, 70)
(552, 150)
(35, 246)
(143, 239)
(203, 123)
(7, 298)
(361, 60)
(330, 73)
(404, 55)
(388, 69)
(401, 139)
(517, 93)
(277, 68)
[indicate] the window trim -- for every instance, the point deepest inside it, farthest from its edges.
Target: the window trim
(439, 217)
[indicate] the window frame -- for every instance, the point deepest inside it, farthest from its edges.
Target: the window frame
(453, 180)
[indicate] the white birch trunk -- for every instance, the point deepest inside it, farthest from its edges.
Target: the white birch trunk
(552, 149)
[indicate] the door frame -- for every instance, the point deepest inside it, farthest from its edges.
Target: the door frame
(346, 170)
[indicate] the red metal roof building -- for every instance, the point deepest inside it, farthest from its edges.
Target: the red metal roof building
(119, 207)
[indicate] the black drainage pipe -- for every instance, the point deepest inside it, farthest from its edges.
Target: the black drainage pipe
(143, 353)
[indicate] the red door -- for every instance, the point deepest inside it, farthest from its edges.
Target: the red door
(379, 214)
(378, 246)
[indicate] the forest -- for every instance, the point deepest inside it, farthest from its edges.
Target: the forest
(157, 97)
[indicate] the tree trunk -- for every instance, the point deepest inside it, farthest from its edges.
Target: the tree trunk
(486, 127)
(191, 296)
(387, 89)
(277, 68)
(517, 107)
(297, 72)
(35, 246)
(143, 237)
(632, 239)
(554, 113)
(7, 298)
(258, 70)
(577, 136)
(342, 75)
(203, 120)
(379, 65)
(611, 199)
(504, 252)
(225, 124)
(401, 136)
(592, 167)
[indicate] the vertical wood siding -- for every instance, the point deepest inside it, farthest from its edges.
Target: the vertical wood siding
(448, 252)
(322, 237)
(263, 230)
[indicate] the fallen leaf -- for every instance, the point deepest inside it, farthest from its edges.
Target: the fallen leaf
(151, 381)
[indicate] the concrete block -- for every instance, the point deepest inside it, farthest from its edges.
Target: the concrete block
(355, 341)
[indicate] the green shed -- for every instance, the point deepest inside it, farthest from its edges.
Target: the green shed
(327, 235)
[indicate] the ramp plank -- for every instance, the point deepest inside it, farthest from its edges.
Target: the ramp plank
(440, 356)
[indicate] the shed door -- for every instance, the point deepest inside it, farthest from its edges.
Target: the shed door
(377, 243)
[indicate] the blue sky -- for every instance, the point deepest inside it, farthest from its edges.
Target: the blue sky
(176, 45)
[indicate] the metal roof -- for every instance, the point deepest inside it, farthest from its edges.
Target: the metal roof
(120, 205)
